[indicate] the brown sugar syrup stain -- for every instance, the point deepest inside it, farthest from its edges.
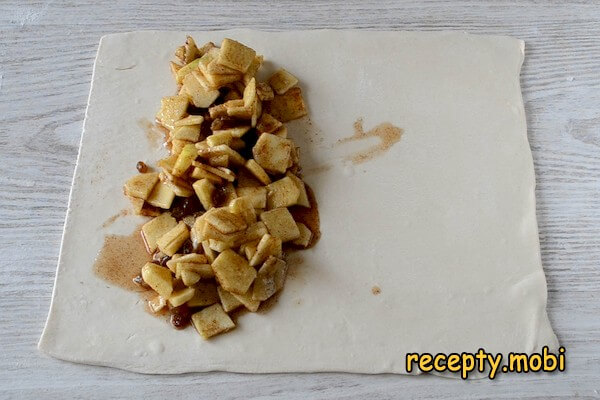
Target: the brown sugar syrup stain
(121, 259)
(156, 134)
(387, 134)
(115, 217)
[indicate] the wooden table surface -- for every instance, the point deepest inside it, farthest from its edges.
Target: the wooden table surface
(47, 51)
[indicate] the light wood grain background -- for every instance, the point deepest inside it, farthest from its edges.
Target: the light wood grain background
(46, 56)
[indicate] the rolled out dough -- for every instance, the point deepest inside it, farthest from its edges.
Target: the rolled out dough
(443, 223)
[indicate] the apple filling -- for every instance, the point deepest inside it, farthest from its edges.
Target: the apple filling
(221, 199)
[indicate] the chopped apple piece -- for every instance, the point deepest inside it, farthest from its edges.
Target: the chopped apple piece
(172, 109)
(234, 157)
(247, 300)
(253, 68)
(191, 258)
(228, 300)
(303, 197)
(219, 80)
(210, 232)
(219, 69)
(258, 171)
(270, 279)
(268, 246)
(203, 81)
(282, 81)
(282, 193)
(246, 179)
(179, 186)
(255, 232)
(221, 172)
(167, 163)
(190, 120)
(281, 224)
(186, 70)
(189, 51)
(249, 248)
(141, 185)
(207, 47)
(233, 272)
(257, 195)
(206, 59)
(157, 303)
(219, 161)
(189, 278)
(305, 235)
(157, 227)
(264, 91)
(240, 112)
(137, 204)
(235, 55)
(236, 132)
(210, 254)
(204, 271)
(190, 133)
(162, 196)
(216, 139)
(268, 124)
(219, 246)
(243, 207)
(234, 103)
(288, 106)
(282, 132)
(272, 153)
(211, 321)
(256, 112)
(205, 295)
(197, 229)
(174, 69)
(158, 278)
(181, 296)
(177, 146)
(250, 93)
(185, 159)
(171, 241)
(198, 94)
(201, 173)
(229, 193)
(185, 258)
(204, 190)
(217, 111)
(294, 156)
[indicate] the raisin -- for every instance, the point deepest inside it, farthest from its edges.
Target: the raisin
(219, 196)
(179, 321)
(184, 206)
(180, 316)
(141, 167)
(160, 258)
